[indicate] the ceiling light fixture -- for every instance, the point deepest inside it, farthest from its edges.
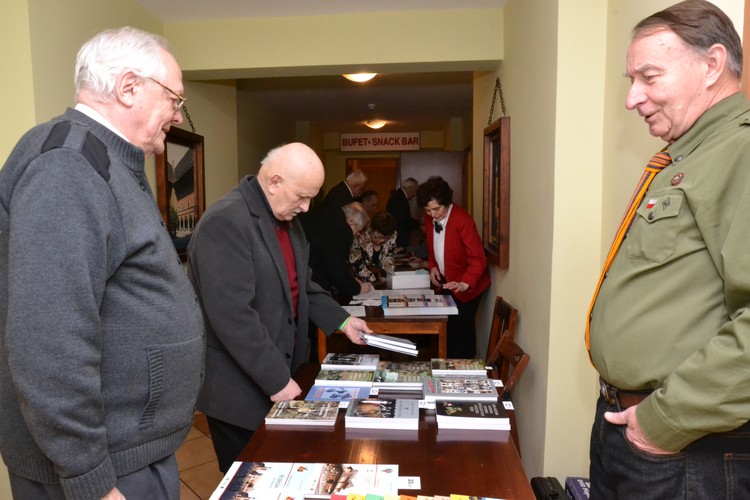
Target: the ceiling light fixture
(376, 124)
(360, 77)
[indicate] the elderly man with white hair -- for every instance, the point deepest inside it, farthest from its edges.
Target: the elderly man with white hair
(101, 339)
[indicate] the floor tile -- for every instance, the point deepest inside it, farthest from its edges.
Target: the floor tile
(186, 493)
(199, 422)
(195, 452)
(194, 433)
(203, 479)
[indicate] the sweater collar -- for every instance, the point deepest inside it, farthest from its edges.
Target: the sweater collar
(130, 155)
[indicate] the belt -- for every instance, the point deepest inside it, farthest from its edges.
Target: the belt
(620, 398)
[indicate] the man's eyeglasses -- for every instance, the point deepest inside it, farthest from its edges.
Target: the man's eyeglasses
(178, 101)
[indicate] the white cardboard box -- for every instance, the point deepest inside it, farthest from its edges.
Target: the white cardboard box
(408, 279)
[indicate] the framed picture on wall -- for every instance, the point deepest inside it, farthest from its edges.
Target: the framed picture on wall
(496, 227)
(180, 193)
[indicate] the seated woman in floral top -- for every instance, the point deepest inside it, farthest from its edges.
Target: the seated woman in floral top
(371, 255)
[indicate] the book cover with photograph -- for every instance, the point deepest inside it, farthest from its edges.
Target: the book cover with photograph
(374, 413)
(303, 413)
(341, 361)
(299, 481)
(459, 389)
(403, 375)
(359, 378)
(472, 415)
(456, 366)
(339, 393)
(418, 305)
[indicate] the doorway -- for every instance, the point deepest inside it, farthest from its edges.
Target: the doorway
(382, 176)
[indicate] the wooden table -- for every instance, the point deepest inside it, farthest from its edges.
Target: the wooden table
(398, 325)
(479, 463)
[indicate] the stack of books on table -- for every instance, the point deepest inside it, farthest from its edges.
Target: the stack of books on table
(476, 415)
(346, 377)
(342, 361)
(392, 414)
(459, 388)
(401, 376)
(418, 305)
(298, 481)
(374, 297)
(341, 394)
(303, 413)
(455, 366)
(375, 496)
(390, 343)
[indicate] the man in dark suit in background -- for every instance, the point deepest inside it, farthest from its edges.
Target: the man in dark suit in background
(398, 207)
(346, 191)
(331, 233)
(370, 200)
(248, 262)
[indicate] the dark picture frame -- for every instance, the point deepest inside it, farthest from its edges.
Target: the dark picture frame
(496, 204)
(180, 190)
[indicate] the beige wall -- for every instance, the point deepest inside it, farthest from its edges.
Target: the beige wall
(576, 151)
(528, 76)
(16, 98)
(323, 44)
(55, 43)
(213, 109)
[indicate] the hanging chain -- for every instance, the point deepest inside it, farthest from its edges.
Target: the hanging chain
(498, 90)
(190, 120)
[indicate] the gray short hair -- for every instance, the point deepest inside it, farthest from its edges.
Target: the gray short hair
(356, 213)
(111, 53)
(355, 176)
(409, 183)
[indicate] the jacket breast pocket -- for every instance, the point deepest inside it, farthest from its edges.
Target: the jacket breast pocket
(653, 234)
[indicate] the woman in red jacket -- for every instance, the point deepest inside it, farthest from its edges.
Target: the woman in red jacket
(457, 262)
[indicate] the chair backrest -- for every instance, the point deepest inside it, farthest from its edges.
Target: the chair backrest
(510, 362)
(504, 320)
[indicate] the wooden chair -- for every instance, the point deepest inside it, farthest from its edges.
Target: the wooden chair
(507, 359)
(503, 320)
(510, 363)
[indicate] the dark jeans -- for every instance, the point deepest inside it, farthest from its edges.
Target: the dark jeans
(715, 466)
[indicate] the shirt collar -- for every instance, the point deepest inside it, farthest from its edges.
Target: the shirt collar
(717, 115)
(444, 220)
(96, 116)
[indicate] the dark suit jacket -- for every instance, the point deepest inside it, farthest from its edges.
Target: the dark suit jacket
(338, 196)
(330, 239)
(398, 207)
(464, 256)
(253, 343)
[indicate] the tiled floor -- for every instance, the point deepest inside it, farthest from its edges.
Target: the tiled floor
(199, 470)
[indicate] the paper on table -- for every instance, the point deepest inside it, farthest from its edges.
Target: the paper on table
(376, 294)
(358, 311)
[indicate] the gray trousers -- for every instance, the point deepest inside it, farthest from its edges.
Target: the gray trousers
(158, 481)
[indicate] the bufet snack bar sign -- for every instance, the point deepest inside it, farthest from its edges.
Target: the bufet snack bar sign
(408, 141)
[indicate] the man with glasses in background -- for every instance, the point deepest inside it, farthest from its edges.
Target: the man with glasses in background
(101, 337)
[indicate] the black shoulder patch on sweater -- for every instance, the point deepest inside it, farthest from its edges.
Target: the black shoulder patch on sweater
(57, 136)
(92, 148)
(95, 152)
